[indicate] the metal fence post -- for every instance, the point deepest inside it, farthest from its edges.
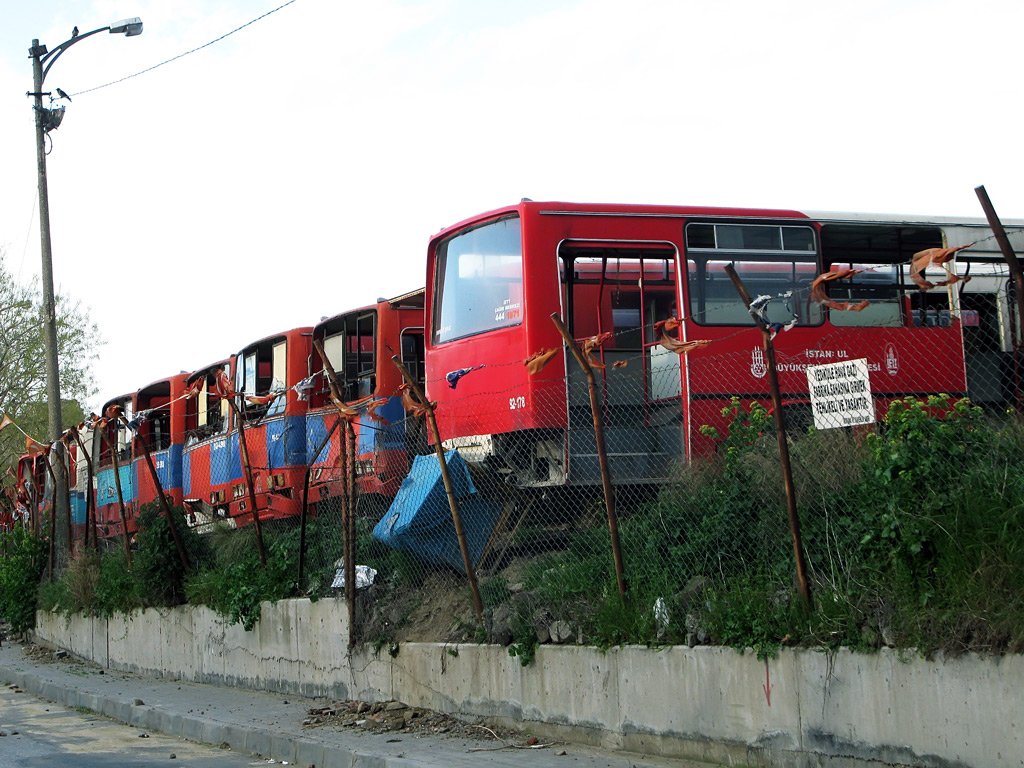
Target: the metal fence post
(602, 453)
(164, 506)
(453, 503)
(780, 433)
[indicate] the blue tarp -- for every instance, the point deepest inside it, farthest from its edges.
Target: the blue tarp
(419, 520)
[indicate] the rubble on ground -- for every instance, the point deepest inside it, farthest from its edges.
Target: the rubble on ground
(396, 717)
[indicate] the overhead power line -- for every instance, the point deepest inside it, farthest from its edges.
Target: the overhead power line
(186, 53)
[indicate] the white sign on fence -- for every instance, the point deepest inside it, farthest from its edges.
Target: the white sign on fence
(841, 394)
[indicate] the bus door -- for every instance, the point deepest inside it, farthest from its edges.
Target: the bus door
(623, 288)
(416, 439)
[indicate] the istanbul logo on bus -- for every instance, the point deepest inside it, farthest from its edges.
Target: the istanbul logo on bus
(757, 366)
(892, 360)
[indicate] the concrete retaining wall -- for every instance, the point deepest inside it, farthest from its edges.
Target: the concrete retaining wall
(801, 709)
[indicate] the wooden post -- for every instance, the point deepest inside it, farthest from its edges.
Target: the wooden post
(164, 506)
(780, 433)
(243, 451)
(602, 453)
(448, 487)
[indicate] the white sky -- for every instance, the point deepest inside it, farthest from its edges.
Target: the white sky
(297, 168)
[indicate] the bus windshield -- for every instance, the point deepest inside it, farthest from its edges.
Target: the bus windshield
(479, 281)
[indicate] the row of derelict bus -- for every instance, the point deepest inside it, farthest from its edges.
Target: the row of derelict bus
(493, 283)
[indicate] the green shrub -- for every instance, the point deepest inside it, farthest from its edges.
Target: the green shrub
(236, 589)
(117, 589)
(757, 612)
(55, 597)
(913, 533)
(159, 572)
(20, 570)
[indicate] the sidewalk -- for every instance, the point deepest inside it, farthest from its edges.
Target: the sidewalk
(270, 725)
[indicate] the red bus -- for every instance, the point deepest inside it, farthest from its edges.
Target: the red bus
(206, 480)
(160, 415)
(494, 280)
(112, 464)
(359, 345)
(275, 430)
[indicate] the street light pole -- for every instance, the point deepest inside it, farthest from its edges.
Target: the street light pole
(45, 122)
(49, 313)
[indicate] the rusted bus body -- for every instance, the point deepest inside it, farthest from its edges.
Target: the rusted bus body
(275, 432)
(206, 475)
(112, 464)
(359, 345)
(33, 491)
(159, 421)
(494, 280)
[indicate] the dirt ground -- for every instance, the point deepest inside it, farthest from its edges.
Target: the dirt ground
(439, 610)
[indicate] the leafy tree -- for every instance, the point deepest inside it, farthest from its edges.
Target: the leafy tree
(23, 360)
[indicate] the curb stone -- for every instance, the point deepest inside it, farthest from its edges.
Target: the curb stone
(254, 741)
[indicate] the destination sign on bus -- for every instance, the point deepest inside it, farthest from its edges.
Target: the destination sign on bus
(841, 394)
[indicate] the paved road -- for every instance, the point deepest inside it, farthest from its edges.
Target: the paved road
(44, 735)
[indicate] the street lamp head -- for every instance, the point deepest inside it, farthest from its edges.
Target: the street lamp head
(128, 27)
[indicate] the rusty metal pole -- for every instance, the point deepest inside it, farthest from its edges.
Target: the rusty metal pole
(348, 513)
(33, 497)
(120, 496)
(602, 453)
(53, 516)
(162, 500)
(302, 528)
(780, 433)
(448, 487)
(305, 502)
(243, 451)
(1012, 262)
(1008, 254)
(345, 512)
(350, 531)
(67, 496)
(90, 501)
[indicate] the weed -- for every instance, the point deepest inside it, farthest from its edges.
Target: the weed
(385, 641)
(524, 636)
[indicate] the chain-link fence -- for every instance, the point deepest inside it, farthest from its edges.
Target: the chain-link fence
(640, 497)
